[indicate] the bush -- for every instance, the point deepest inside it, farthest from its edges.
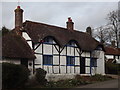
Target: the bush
(14, 76)
(40, 76)
(111, 68)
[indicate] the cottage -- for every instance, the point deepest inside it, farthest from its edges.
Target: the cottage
(16, 50)
(112, 54)
(60, 51)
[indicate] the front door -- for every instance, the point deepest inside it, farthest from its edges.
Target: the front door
(82, 65)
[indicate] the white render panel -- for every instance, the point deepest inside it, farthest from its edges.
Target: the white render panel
(39, 49)
(38, 59)
(77, 61)
(63, 69)
(87, 61)
(56, 69)
(101, 64)
(109, 56)
(55, 50)
(63, 51)
(48, 68)
(76, 52)
(56, 60)
(38, 66)
(77, 70)
(47, 49)
(30, 43)
(25, 35)
(87, 69)
(62, 60)
(87, 54)
(70, 69)
(83, 54)
(70, 51)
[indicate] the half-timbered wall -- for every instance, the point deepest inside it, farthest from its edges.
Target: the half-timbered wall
(59, 63)
(59, 57)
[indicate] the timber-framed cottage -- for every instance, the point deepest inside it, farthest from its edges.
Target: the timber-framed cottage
(61, 51)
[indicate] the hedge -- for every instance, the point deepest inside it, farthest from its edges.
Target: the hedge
(112, 68)
(14, 76)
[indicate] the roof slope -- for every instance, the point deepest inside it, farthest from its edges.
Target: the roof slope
(38, 31)
(112, 51)
(15, 46)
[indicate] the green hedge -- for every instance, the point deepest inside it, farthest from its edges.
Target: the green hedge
(14, 76)
(112, 68)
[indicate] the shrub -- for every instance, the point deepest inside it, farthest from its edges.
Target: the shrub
(14, 76)
(40, 76)
(99, 77)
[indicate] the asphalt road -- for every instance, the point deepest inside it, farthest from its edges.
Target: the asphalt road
(106, 84)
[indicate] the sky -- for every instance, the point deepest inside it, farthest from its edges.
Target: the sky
(83, 14)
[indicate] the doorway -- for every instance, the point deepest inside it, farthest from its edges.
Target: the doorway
(82, 65)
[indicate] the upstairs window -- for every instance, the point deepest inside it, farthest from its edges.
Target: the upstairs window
(47, 59)
(71, 44)
(48, 40)
(70, 60)
(99, 48)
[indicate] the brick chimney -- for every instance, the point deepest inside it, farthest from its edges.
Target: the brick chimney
(18, 19)
(113, 44)
(89, 30)
(70, 24)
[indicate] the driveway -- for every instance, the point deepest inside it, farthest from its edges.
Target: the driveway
(105, 84)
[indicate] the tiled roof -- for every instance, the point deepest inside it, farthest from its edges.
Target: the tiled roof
(112, 51)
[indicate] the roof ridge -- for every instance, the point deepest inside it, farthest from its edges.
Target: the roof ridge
(75, 30)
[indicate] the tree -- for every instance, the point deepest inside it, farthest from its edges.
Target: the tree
(110, 32)
(103, 34)
(113, 24)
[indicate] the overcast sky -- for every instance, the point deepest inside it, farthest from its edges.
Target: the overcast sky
(83, 14)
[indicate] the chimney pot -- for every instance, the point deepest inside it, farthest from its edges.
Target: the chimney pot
(70, 24)
(18, 7)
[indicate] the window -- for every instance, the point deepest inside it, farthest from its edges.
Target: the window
(71, 44)
(47, 59)
(70, 61)
(48, 40)
(94, 62)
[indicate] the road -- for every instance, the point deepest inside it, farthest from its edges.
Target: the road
(105, 84)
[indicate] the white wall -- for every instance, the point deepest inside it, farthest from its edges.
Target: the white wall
(17, 61)
(100, 64)
(109, 56)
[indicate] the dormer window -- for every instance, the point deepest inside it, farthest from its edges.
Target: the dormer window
(98, 48)
(71, 44)
(48, 40)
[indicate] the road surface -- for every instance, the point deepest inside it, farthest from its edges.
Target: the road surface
(106, 84)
